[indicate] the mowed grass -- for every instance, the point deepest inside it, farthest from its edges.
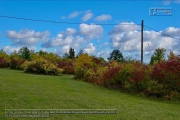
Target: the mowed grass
(27, 91)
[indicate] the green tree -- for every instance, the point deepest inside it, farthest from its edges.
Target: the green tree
(70, 54)
(116, 55)
(42, 53)
(24, 53)
(158, 55)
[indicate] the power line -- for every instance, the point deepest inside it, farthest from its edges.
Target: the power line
(56, 22)
(87, 0)
(161, 32)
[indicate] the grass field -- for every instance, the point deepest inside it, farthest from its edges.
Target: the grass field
(26, 91)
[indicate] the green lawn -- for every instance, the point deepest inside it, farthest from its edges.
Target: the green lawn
(26, 91)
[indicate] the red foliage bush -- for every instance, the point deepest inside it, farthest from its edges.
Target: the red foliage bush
(168, 73)
(3, 63)
(16, 64)
(109, 76)
(140, 73)
(67, 66)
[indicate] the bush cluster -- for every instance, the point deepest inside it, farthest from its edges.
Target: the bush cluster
(67, 65)
(4, 60)
(161, 80)
(16, 62)
(40, 66)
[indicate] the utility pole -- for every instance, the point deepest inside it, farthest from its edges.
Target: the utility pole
(142, 25)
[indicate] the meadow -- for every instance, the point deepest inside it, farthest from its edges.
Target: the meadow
(19, 90)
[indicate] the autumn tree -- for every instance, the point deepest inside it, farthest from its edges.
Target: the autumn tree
(158, 55)
(171, 55)
(4, 59)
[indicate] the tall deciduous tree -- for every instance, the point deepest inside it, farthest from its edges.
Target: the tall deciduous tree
(158, 55)
(116, 55)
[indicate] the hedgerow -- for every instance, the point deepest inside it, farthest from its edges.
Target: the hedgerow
(41, 66)
(160, 79)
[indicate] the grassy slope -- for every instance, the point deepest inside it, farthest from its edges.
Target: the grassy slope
(26, 91)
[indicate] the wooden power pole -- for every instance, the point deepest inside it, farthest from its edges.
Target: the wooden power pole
(142, 25)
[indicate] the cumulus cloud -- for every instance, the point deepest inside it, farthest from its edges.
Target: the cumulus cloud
(124, 27)
(62, 38)
(104, 53)
(59, 40)
(90, 31)
(88, 15)
(103, 17)
(78, 40)
(90, 49)
(10, 49)
(62, 49)
(27, 37)
(74, 14)
(127, 38)
(175, 32)
(69, 31)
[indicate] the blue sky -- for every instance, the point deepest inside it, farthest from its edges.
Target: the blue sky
(102, 26)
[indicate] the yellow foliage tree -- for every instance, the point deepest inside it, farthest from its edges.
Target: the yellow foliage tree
(83, 61)
(82, 64)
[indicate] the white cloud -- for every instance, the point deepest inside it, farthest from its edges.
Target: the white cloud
(105, 53)
(128, 39)
(10, 49)
(88, 15)
(62, 38)
(65, 48)
(125, 27)
(69, 31)
(175, 32)
(74, 14)
(77, 42)
(62, 49)
(90, 31)
(103, 17)
(59, 40)
(27, 37)
(125, 36)
(90, 49)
